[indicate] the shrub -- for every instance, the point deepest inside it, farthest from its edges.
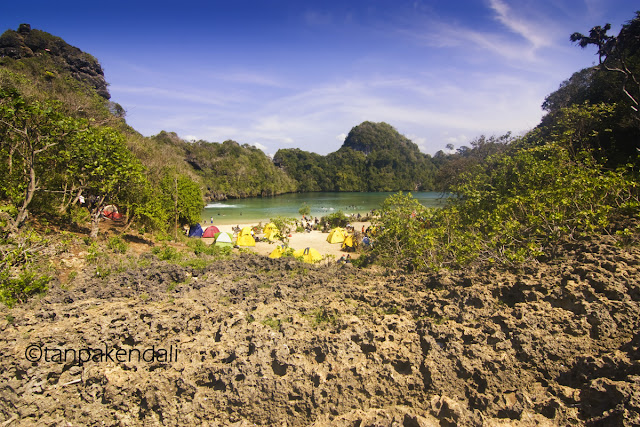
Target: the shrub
(118, 245)
(305, 210)
(284, 226)
(166, 253)
(201, 248)
(337, 219)
(18, 289)
(515, 207)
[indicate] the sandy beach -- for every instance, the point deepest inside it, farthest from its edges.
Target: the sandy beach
(314, 239)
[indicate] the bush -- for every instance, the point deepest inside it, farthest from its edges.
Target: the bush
(201, 248)
(284, 226)
(305, 210)
(118, 245)
(337, 219)
(411, 237)
(22, 260)
(166, 253)
(19, 289)
(515, 207)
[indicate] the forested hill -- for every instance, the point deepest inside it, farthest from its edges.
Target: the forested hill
(229, 169)
(374, 157)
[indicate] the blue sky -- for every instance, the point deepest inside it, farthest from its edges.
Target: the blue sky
(302, 73)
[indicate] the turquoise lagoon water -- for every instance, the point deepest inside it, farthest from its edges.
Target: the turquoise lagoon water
(256, 209)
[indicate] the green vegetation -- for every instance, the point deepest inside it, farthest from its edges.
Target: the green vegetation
(275, 324)
(305, 210)
(19, 289)
(23, 272)
(321, 317)
(513, 207)
(118, 245)
(201, 248)
(374, 157)
(519, 200)
(231, 170)
(62, 141)
(336, 219)
(285, 227)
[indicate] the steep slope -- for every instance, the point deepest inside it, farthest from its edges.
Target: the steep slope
(28, 43)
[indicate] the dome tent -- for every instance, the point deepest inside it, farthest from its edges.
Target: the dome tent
(211, 231)
(223, 240)
(309, 255)
(336, 235)
(195, 230)
(245, 238)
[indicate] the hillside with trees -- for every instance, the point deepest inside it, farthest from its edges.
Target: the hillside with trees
(56, 118)
(374, 157)
(229, 169)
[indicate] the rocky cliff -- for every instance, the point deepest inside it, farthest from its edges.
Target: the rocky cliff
(27, 43)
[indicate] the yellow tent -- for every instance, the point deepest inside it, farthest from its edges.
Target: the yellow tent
(348, 242)
(277, 252)
(309, 255)
(271, 232)
(245, 238)
(336, 235)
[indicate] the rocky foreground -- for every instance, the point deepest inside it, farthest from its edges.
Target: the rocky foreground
(256, 341)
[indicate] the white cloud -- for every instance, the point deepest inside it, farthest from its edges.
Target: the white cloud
(260, 146)
(529, 30)
(166, 95)
(191, 138)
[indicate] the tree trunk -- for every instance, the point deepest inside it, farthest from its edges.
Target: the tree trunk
(129, 222)
(176, 209)
(23, 213)
(95, 218)
(95, 225)
(63, 204)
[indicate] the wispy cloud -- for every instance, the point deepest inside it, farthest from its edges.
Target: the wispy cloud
(171, 94)
(528, 29)
(246, 77)
(527, 33)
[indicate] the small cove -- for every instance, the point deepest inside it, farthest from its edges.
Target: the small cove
(256, 209)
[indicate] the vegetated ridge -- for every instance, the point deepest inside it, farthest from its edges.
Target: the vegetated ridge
(373, 157)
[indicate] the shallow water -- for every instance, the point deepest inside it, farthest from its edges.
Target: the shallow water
(257, 209)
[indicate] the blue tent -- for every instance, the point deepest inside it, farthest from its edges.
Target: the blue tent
(195, 230)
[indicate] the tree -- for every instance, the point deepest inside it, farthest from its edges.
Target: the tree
(31, 133)
(618, 55)
(99, 165)
(305, 210)
(182, 197)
